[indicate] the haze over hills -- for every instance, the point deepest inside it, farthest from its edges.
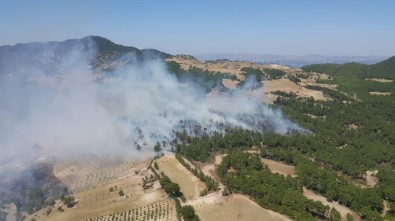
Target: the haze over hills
(100, 52)
(380, 69)
(106, 54)
(293, 61)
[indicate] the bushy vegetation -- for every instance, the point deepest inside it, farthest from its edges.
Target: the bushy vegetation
(255, 73)
(173, 189)
(274, 73)
(68, 201)
(205, 79)
(35, 189)
(188, 213)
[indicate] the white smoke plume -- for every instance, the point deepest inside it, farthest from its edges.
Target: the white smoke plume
(46, 114)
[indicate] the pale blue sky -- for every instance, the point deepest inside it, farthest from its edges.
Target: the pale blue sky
(336, 27)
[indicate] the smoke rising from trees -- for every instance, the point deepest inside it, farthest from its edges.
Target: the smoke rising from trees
(78, 110)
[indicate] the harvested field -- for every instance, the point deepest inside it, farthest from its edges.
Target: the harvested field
(288, 86)
(234, 208)
(380, 93)
(342, 209)
(100, 206)
(190, 185)
(88, 171)
(279, 167)
(381, 80)
(105, 197)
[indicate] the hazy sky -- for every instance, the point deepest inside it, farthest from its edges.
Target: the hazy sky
(336, 27)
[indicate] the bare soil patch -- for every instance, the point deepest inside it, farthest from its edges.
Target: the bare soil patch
(218, 159)
(352, 127)
(288, 86)
(10, 210)
(315, 117)
(371, 179)
(386, 208)
(279, 167)
(85, 172)
(381, 80)
(342, 209)
(190, 185)
(380, 93)
(234, 208)
(228, 83)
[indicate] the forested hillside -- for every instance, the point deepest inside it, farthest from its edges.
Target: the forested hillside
(383, 69)
(100, 53)
(353, 133)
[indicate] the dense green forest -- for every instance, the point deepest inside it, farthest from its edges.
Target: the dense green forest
(350, 136)
(244, 173)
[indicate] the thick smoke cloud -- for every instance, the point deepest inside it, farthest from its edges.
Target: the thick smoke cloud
(71, 111)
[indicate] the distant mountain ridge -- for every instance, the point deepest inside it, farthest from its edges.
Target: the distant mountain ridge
(383, 69)
(293, 61)
(28, 56)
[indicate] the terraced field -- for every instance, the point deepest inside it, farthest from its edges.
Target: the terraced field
(88, 171)
(160, 211)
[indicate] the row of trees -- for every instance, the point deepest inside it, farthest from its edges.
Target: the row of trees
(173, 190)
(211, 184)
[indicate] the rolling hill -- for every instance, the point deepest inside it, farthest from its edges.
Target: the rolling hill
(100, 53)
(383, 69)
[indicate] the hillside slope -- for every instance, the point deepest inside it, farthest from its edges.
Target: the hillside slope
(384, 69)
(98, 51)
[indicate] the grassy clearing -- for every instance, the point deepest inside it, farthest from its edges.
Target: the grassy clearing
(280, 168)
